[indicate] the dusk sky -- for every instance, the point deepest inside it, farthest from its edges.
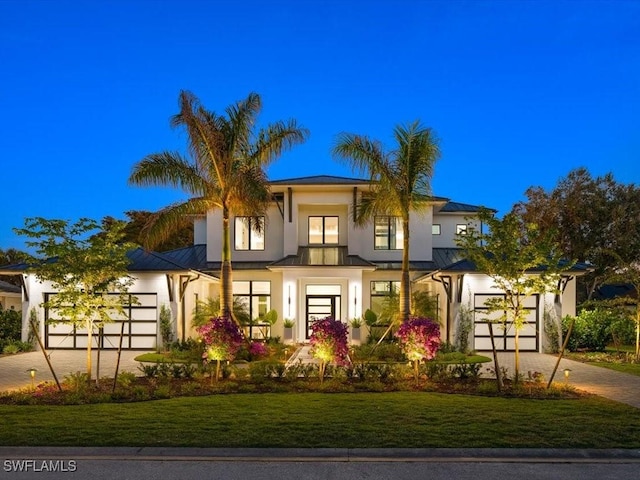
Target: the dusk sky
(519, 92)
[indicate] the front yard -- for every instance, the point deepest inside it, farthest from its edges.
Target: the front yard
(348, 420)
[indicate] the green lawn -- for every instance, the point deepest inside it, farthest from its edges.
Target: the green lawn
(399, 419)
(614, 359)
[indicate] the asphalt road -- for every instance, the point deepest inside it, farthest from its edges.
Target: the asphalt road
(451, 464)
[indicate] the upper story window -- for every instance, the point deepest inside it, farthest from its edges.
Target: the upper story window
(435, 229)
(388, 233)
(461, 229)
(323, 230)
(247, 236)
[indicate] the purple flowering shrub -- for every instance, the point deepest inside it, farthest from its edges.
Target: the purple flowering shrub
(222, 339)
(329, 343)
(419, 339)
(258, 350)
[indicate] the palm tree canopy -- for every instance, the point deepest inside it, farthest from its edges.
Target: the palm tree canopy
(401, 178)
(225, 167)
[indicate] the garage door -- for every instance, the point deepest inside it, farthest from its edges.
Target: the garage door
(140, 328)
(504, 335)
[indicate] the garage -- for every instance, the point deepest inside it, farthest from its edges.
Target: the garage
(139, 330)
(504, 335)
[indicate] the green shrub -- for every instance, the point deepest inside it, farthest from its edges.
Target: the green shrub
(591, 330)
(11, 349)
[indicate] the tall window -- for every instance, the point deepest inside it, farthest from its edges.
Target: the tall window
(256, 298)
(380, 290)
(247, 236)
(388, 233)
(323, 230)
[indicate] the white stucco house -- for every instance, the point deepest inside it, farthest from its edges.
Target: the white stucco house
(311, 261)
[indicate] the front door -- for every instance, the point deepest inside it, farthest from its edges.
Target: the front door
(319, 307)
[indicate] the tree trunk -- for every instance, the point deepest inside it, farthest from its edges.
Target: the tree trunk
(405, 280)
(226, 287)
(89, 327)
(495, 357)
(564, 346)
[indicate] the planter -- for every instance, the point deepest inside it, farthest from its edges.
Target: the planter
(355, 335)
(288, 334)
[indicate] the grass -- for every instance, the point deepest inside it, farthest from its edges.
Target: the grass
(619, 359)
(346, 420)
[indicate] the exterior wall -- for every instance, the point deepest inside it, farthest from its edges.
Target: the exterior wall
(448, 223)
(200, 231)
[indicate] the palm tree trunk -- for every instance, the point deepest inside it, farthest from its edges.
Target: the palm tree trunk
(405, 282)
(226, 289)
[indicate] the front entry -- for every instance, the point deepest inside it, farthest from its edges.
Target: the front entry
(319, 307)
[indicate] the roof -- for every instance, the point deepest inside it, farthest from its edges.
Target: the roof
(6, 287)
(457, 207)
(321, 180)
(141, 261)
(322, 257)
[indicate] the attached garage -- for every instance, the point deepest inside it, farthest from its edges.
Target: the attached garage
(504, 335)
(139, 330)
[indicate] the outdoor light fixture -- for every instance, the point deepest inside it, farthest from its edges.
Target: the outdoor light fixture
(566, 374)
(32, 372)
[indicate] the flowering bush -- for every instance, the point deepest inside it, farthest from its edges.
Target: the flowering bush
(258, 350)
(222, 339)
(419, 339)
(329, 342)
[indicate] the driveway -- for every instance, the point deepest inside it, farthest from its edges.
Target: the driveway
(14, 368)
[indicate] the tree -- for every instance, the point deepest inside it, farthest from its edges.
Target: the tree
(522, 260)
(595, 220)
(400, 182)
(87, 266)
(137, 222)
(12, 256)
(226, 171)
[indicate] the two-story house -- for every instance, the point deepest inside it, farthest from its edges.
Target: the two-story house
(311, 261)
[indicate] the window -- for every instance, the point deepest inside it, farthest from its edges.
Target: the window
(388, 233)
(435, 229)
(461, 229)
(323, 230)
(255, 296)
(380, 291)
(247, 235)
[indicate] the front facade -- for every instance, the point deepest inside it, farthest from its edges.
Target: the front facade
(312, 261)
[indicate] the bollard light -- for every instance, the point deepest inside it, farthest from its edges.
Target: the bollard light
(566, 374)
(32, 373)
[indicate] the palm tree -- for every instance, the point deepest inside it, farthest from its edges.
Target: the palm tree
(225, 171)
(400, 182)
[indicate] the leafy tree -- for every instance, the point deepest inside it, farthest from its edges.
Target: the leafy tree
(11, 256)
(522, 260)
(87, 267)
(595, 220)
(139, 220)
(226, 171)
(400, 182)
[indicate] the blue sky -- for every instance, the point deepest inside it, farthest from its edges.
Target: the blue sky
(519, 92)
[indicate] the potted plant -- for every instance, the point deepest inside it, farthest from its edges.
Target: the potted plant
(289, 324)
(355, 323)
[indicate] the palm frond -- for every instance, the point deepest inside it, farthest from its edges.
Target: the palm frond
(165, 222)
(272, 141)
(167, 168)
